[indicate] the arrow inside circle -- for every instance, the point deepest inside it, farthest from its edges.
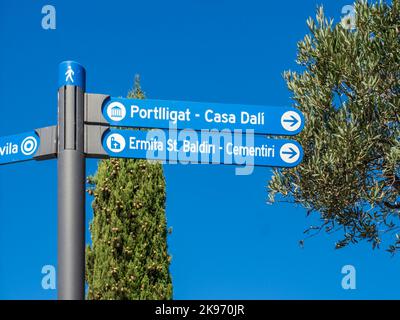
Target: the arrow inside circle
(293, 120)
(292, 153)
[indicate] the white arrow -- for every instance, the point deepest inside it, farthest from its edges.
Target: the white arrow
(291, 121)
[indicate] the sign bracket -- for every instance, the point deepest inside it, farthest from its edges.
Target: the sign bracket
(93, 139)
(93, 108)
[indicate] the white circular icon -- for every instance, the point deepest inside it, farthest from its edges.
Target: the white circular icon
(291, 121)
(116, 111)
(116, 143)
(29, 145)
(289, 153)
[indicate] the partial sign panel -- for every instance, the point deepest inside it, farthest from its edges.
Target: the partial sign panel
(20, 147)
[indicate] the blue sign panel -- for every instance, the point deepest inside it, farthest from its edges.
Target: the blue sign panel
(71, 73)
(164, 114)
(20, 147)
(189, 146)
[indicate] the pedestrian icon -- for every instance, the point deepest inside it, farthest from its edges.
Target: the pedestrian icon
(116, 111)
(69, 74)
(116, 143)
(289, 153)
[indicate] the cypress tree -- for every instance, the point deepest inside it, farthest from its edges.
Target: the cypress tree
(128, 257)
(349, 91)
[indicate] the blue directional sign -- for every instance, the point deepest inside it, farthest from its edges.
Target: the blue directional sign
(189, 146)
(197, 116)
(20, 147)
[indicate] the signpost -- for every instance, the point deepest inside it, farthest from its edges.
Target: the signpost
(71, 182)
(146, 113)
(213, 133)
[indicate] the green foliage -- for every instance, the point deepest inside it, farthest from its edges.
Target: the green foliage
(349, 91)
(128, 258)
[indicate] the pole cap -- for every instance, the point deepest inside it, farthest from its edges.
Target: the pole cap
(71, 73)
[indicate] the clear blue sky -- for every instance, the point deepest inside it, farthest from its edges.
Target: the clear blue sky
(226, 241)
